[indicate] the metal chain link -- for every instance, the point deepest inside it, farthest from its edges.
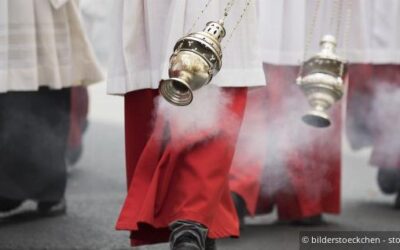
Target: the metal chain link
(228, 8)
(347, 27)
(333, 15)
(310, 35)
(312, 28)
(339, 18)
(199, 16)
(338, 13)
(331, 20)
(237, 23)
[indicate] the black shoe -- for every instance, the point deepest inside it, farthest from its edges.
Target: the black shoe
(397, 201)
(52, 208)
(211, 244)
(315, 220)
(388, 180)
(188, 235)
(241, 209)
(7, 205)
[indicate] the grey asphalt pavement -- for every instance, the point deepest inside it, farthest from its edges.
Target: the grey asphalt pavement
(97, 186)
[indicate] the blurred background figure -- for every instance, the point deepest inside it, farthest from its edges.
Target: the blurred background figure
(45, 53)
(302, 175)
(373, 115)
(373, 101)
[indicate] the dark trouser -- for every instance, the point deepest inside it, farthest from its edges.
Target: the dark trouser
(33, 136)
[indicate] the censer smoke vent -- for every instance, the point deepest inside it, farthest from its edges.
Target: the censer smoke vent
(316, 120)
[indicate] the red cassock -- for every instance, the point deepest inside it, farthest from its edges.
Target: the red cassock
(300, 170)
(373, 112)
(173, 178)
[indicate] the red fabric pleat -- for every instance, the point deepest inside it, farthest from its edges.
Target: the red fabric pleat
(247, 167)
(139, 107)
(173, 178)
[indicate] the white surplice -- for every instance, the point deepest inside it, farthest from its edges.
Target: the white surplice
(42, 43)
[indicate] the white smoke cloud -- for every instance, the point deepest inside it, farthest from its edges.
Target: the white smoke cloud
(269, 147)
(285, 137)
(210, 106)
(274, 137)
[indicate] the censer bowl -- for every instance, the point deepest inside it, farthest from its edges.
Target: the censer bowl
(322, 91)
(197, 57)
(188, 72)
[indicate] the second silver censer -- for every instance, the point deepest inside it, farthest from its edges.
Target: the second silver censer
(321, 77)
(321, 80)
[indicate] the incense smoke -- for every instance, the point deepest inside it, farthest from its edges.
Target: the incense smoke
(204, 116)
(269, 140)
(274, 137)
